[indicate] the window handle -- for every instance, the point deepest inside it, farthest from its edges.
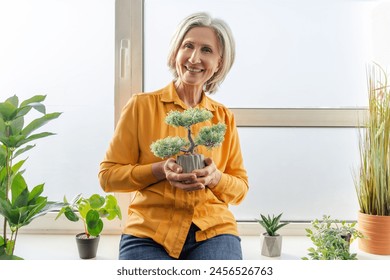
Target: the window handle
(124, 59)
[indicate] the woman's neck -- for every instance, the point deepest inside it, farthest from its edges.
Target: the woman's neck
(190, 95)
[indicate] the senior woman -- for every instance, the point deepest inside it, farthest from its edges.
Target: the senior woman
(176, 215)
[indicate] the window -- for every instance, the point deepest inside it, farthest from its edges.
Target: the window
(298, 88)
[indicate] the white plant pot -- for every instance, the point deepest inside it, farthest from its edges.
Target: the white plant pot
(272, 245)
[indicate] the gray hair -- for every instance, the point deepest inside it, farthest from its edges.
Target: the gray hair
(226, 45)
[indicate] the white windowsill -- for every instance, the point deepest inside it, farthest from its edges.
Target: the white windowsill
(63, 247)
(50, 239)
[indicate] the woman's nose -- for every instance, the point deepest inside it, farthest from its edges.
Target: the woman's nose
(195, 57)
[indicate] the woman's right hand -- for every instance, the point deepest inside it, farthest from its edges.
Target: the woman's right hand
(177, 179)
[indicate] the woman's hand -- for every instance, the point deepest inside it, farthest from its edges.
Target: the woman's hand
(208, 176)
(177, 179)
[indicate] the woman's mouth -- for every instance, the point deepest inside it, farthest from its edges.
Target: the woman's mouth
(194, 70)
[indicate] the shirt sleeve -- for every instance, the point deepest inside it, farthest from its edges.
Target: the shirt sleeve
(120, 170)
(233, 186)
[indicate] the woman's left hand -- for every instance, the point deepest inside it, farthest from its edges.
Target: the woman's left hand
(209, 176)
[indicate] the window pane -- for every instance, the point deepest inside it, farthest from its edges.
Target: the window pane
(302, 172)
(290, 54)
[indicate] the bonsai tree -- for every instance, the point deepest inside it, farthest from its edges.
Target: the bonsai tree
(332, 239)
(19, 205)
(91, 211)
(209, 136)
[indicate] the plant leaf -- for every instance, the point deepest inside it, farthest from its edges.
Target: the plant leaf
(39, 122)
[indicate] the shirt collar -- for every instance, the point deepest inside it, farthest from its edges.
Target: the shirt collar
(170, 95)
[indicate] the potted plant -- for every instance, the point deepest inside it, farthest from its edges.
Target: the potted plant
(208, 136)
(272, 242)
(18, 204)
(332, 239)
(91, 211)
(372, 181)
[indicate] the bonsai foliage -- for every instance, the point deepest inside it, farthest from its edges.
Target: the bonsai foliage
(372, 182)
(331, 239)
(209, 136)
(19, 205)
(91, 211)
(271, 224)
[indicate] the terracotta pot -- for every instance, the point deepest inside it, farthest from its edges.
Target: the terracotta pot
(87, 247)
(376, 230)
(272, 245)
(190, 162)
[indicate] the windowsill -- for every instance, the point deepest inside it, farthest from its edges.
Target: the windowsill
(63, 247)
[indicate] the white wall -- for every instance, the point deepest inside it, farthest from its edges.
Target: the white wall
(65, 50)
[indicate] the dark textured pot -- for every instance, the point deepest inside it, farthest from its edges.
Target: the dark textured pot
(190, 162)
(87, 246)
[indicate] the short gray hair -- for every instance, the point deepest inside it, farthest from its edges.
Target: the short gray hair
(226, 45)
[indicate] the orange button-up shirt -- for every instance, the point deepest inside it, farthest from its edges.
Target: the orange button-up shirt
(158, 210)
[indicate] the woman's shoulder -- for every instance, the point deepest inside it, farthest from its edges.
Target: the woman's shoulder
(147, 97)
(219, 106)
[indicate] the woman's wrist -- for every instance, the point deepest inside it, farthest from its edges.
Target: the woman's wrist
(158, 170)
(215, 180)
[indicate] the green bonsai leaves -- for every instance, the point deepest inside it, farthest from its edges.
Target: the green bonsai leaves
(210, 137)
(169, 146)
(188, 117)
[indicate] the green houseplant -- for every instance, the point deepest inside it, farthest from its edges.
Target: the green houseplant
(91, 211)
(372, 181)
(332, 239)
(208, 136)
(272, 242)
(18, 205)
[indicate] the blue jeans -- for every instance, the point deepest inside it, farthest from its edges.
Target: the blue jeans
(220, 247)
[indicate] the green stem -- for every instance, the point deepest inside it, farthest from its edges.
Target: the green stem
(8, 166)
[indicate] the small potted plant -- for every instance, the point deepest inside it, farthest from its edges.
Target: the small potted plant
(272, 242)
(332, 239)
(91, 211)
(208, 136)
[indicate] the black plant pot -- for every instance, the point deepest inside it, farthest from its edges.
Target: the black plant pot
(190, 162)
(87, 246)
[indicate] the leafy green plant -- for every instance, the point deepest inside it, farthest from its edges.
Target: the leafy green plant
(209, 136)
(372, 182)
(332, 239)
(91, 211)
(18, 205)
(271, 224)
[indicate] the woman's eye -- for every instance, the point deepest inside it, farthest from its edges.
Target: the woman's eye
(208, 50)
(188, 46)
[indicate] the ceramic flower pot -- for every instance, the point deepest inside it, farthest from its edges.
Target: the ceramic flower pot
(376, 230)
(190, 162)
(87, 247)
(272, 245)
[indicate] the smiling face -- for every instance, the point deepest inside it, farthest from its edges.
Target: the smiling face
(198, 57)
